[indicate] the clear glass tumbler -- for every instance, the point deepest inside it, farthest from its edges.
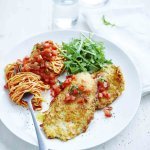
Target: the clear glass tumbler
(93, 3)
(65, 13)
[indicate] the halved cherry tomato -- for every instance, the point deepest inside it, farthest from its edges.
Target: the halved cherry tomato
(46, 54)
(56, 89)
(46, 64)
(67, 95)
(52, 58)
(46, 45)
(81, 88)
(87, 91)
(80, 100)
(47, 50)
(54, 86)
(73, 77)
(46, 80)
(73, 98)
(51, 75)
(54, 47)
(42, 64)
(106, 94)
(75, 91)
(52, 82)
(36, 72)
(100, 83)
(107, 113)
(35, 66)
(101, 89)
(54, 53)
(39, 58)
(69, 76)
(69, 98)
(66, 83)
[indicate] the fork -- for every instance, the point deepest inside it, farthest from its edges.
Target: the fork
(27, 97)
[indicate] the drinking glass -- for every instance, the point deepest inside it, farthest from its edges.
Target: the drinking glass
(93, 3)
(65, 13)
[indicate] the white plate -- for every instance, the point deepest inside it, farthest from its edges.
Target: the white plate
(18, 120)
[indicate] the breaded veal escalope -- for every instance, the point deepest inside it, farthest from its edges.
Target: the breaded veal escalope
(67, 120)
(113, 75)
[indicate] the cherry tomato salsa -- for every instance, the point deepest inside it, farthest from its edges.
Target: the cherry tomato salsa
(103, 86)
(39, 62)
(77, 93)
(57, 88)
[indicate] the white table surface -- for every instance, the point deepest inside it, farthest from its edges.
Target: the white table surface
(20, 19)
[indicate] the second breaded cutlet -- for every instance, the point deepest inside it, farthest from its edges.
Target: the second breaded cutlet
(111, 85)
(65, 118)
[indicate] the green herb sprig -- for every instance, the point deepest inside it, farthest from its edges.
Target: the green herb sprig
(107, 23)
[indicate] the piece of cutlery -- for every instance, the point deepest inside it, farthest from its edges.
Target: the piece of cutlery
(28, 97)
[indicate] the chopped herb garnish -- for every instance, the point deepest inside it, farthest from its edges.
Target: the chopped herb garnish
(73, 87)
(83, 54)
(107, 23)
(102, 79)
(34, 47)
(75, 90)
(60, 82)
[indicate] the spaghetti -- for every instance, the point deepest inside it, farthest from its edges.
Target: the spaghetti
(12, 69)
(26, 82)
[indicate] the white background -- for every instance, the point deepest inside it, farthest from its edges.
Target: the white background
(20, 19)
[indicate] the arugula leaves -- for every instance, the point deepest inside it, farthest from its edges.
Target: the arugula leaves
(83, 55)
(107, 23)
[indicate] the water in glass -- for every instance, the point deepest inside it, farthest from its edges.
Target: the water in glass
(65, 13)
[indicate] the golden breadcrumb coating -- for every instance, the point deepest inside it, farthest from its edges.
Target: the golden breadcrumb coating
(67, 120)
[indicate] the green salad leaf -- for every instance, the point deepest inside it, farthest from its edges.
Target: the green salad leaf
(83, 54)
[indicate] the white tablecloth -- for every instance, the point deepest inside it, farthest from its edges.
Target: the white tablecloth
(21, 18)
